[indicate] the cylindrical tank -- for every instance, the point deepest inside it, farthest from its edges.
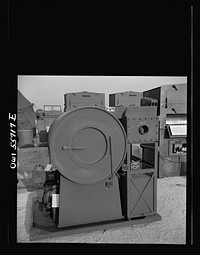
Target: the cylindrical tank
(25, 138)
(87, 145)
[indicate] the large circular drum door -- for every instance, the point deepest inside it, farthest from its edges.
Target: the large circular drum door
(87, 145)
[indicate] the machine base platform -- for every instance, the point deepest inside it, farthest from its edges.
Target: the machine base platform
(43, 227)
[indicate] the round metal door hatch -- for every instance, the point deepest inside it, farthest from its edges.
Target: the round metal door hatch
(87, 144)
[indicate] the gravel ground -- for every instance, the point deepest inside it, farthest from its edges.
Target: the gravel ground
(171, 205)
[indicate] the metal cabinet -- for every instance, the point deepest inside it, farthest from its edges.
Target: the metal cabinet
(81, 99)
(172, 113)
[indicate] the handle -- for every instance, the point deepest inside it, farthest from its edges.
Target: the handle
(110, 150)
(65, 148)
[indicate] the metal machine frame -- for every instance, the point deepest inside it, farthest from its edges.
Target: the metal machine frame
(134, 178)
(141, 173)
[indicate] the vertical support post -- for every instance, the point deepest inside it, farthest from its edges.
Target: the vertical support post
(155, 175)
(128, 177)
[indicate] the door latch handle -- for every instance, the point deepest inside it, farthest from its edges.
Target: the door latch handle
(65, 148)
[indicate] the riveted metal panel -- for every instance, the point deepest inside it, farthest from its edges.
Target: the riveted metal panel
(141, 111)
(142, 129)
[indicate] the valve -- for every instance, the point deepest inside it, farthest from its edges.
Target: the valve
(135, 165)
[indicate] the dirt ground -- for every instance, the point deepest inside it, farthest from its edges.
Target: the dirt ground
(171, 205)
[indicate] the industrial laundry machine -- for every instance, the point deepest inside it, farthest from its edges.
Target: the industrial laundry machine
(95, 180)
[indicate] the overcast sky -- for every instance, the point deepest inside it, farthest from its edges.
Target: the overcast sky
(44, 90)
